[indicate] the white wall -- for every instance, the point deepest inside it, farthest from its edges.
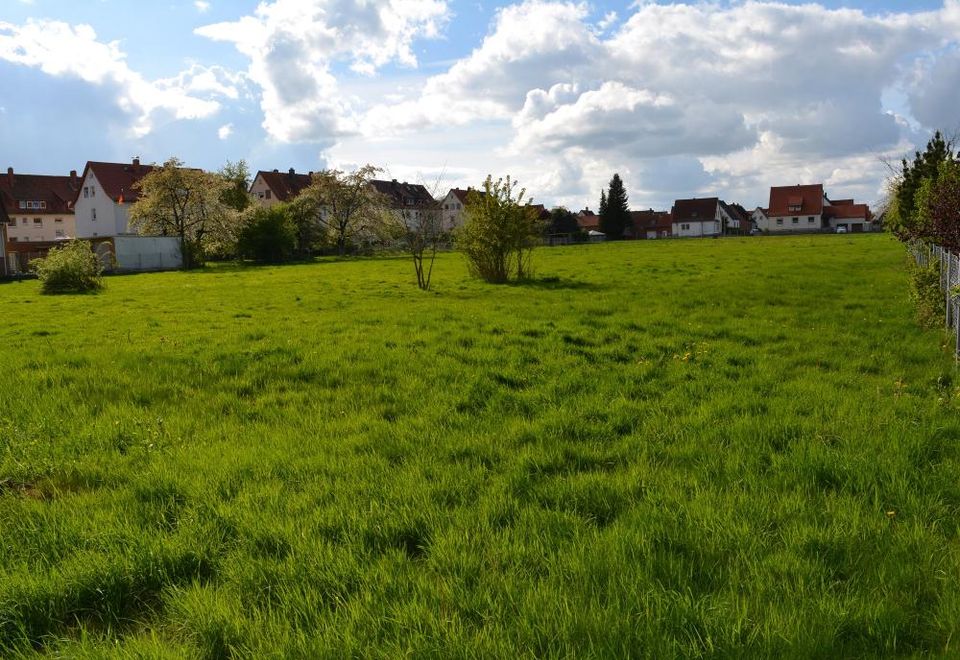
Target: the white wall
(27, 230)
(697, 228)
(259, 190)
(111, 217)
(135, 253)
(452, 209)
(803, 223)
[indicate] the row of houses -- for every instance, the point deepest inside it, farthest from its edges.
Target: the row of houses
(791, 209)
(39, 211)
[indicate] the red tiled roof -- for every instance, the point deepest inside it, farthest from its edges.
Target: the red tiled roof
(847, 211)
(117, 179)
(285, 185)
(56, 192)
(694, 210)
(808, 198)
(402, 194)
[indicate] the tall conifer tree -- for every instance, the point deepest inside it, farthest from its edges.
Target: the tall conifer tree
(614, 211)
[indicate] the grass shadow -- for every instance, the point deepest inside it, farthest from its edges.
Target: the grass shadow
(555, 283)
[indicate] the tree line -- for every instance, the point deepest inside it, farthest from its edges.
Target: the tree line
(922, 210)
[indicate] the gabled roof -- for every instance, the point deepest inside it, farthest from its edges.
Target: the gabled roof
(462, 194)
(285, 185)
(402, 194)
(117, 179)
(809, 199)
(541, 210)
(695, 210)
(737, 212)
(650, 220)
(56, 192)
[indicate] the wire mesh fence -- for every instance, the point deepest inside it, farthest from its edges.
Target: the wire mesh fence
(948, 264)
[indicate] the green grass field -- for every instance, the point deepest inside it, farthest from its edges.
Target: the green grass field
(735, 448)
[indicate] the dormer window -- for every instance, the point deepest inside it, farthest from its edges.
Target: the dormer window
(794, 208)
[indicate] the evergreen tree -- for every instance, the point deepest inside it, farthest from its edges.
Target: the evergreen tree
(614, 211)
(603, 202)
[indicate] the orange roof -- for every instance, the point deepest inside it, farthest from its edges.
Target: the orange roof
(796, 200)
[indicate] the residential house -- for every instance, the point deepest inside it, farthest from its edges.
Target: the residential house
(697, 218)
(270, 188)
(39, 208)
(588, 220)
(847, 215)
(760, 219)
(102, 204)
(407, 200)
(808, 209)
(38, 214)
(649, 224)
(741, 222)
(796, 208)
(4, 219)
(452, 206)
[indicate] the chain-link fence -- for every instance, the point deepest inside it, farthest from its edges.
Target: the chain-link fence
(948, 263)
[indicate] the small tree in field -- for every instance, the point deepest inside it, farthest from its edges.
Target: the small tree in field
(499, 232)
(71, 268)
(186, 203)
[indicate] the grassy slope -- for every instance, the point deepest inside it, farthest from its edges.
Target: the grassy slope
(662, 448)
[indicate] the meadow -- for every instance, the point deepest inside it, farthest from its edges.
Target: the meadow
(718, 448)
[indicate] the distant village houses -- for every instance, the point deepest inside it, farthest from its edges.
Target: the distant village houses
(38, 213)
(276, 187)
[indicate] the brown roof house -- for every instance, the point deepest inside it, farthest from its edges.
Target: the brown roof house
(407, 200)
(697, 218)
(103, 199)
(39, 208)
(38, 214)
(102, 211)
(452, 206)
(649, 224)
(270, 188)
(808, 209)
(588, 220)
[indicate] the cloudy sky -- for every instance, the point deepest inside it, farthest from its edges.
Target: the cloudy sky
(681, 98)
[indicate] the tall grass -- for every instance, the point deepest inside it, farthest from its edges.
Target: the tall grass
(736, 448)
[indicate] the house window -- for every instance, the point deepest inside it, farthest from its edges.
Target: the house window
(60, 233)
(810, 219)
(23, 221)
(12, 239)
(779, 221)
(12, 222)
(796, 220)
(92, 191)
(59, 221)
(86, 192)
(268, 193)
(38, 222)
(43, 205)
(93, 215)
(23, 204)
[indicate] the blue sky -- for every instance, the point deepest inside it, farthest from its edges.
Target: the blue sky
(681, 99)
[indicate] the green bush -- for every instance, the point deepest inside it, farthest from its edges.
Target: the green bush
(72, 268)
(926, 295)
(268, 235)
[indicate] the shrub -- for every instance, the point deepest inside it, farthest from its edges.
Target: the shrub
(72, 268)
(926, 295)
(499, 233)
(268, 235)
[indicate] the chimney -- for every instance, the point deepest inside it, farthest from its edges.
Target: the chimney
(394, 180)
(292, 171)
(10, 178)
(276, 171)
(73, 178)
(136, 165)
